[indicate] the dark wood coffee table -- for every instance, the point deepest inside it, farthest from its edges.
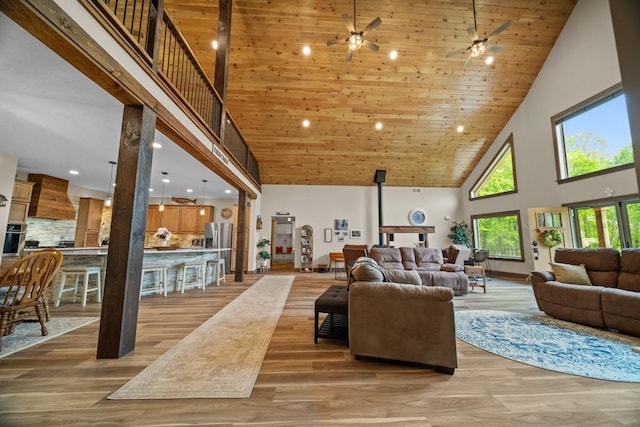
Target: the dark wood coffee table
(335, 302)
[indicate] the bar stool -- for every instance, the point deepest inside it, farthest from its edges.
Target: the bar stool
(159, 280)
(215, 270)
(196, 269)
(80, 273)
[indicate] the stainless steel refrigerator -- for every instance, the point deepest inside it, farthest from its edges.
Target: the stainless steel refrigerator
(219, 235)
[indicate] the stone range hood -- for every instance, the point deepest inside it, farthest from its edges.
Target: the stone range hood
(49, 198)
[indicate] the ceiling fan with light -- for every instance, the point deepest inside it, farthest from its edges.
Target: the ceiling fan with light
(479, 46)
(356, 38)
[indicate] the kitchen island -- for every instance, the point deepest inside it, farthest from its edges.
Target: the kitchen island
(169, 257)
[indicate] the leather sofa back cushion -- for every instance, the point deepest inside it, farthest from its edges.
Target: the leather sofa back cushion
(629, 278)
(602, 264)
(407, 277)
(387, 258)
(408, 260)
(428, 258)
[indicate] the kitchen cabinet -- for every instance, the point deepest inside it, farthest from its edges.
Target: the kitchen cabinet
(20, 201)
(201, 220)
(88, 222)
(179, 219)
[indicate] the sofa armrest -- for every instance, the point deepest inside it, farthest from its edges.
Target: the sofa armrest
(402, 322)
(542, 276)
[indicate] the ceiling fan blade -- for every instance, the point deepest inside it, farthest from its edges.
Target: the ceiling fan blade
(372, 26)
(349, 55)
(495, 48)
(348, 23)
(498, 30)
(467, 62)
(333, 42)
(374, 47)
(456, 52)
(472, 32)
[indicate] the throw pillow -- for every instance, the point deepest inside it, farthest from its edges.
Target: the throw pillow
(569, 273)
(366, 270)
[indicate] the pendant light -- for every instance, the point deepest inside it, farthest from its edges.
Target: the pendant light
(202, 211)
(164, 180)
(109, 200)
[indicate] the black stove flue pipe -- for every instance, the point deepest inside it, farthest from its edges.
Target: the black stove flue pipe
(379, 179)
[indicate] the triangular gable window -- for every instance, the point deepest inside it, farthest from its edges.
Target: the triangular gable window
(499, 177)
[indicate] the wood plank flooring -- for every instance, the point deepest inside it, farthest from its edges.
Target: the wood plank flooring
(60, 383)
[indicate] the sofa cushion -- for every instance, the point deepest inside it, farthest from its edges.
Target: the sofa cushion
(569, 273)
(602, 264)
(387, 258)
(620, 310)
(429, 259)
(408, 260)
(575, 303)
(407, 277)
(629, 278)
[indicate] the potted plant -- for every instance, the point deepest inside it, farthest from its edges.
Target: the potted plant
(264, 254)
(460, 234)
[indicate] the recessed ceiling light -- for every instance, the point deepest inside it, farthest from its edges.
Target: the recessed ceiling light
(227, 191)
(306, 123)
(379, 125)
(489, 60)
(74, 172)
(460, 128)
(156, 145)
(189, 190)
(151, 190)
(306, 50)
(165, 180)
(214, 44)
(393, 54)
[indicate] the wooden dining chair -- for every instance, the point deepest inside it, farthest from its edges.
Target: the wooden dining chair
(23, 290)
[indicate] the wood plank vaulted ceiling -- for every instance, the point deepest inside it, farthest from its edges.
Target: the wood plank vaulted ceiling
(420, 98)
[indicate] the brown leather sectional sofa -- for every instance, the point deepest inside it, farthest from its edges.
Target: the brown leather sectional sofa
(613, 299)
(427, 262)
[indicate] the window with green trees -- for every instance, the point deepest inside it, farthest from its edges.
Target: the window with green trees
(500, 233)
(499, 177)
(609, 224)
(594, 136)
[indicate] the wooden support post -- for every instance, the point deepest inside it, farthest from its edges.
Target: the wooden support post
(241, 232)
(119, 316)
(222, 60)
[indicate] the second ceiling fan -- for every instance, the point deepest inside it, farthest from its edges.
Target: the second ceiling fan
(356, 38)
(479, 46)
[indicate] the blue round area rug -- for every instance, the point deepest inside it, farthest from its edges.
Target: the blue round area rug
(552, 344)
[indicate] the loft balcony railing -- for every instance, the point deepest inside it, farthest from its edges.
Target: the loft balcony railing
(179, 68)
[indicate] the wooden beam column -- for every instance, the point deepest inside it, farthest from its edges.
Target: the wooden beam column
(222, 59)
(119, 315)
(241, 232)
(624, 15)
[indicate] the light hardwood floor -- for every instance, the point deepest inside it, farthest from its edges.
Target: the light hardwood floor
(60, 383)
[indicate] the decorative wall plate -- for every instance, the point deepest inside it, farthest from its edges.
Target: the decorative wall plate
(226, 213)
(417, 217)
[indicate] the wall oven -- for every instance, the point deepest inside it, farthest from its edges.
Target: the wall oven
(14, 239)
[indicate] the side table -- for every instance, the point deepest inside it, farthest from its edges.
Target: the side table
(476, 271)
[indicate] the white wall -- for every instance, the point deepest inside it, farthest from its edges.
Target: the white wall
(8, 166)
(582, 63)
(319, 206)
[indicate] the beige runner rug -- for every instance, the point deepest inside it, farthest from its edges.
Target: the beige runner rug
(222, 357)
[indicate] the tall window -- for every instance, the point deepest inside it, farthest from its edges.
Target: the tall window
(593, 136)
(499, 177)
(608, 224)
(499, 233)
